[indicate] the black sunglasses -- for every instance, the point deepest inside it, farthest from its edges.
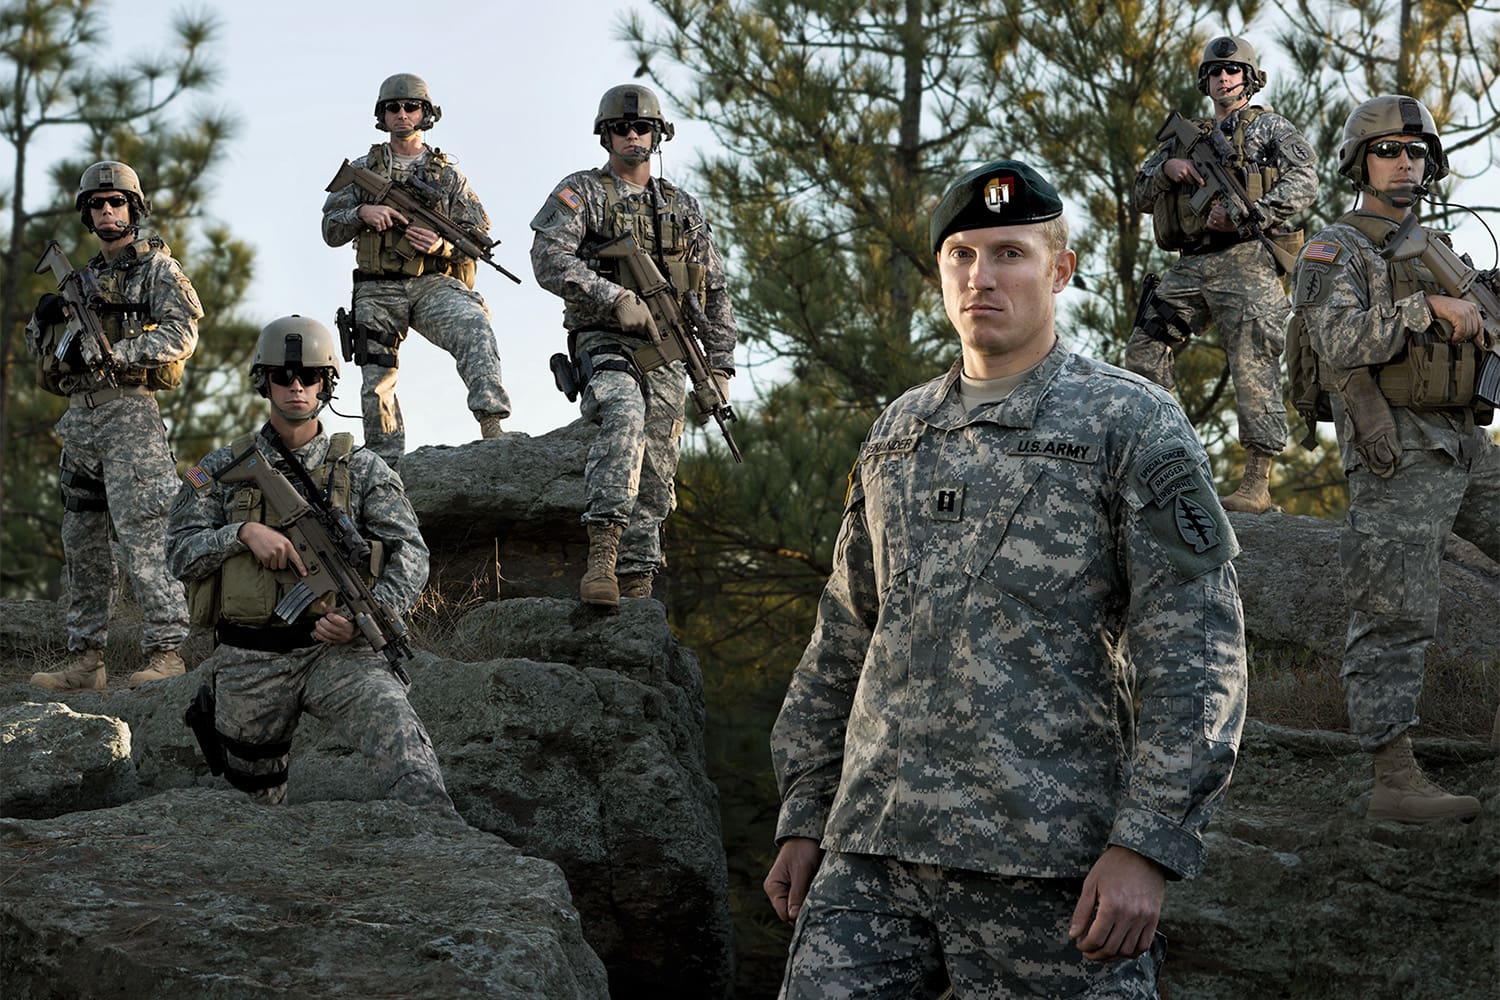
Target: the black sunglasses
(309, 377)
(1390, 149)
(410, 107)
(641, 126)
(113, 201)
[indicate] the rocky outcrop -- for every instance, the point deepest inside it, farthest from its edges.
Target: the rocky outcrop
(575, 736)
(1292, 589)
(54, 760)
(204, 894)
(1304, 898)
(501, 516)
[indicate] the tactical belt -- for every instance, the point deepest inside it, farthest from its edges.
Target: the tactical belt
(363, 276)
(95, 398)
(1214, 246)
(265, 639)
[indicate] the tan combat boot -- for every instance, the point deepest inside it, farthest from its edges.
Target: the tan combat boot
(84, 671)
(636, 584)
(1403, 793)
(489, 426)
(599, 585)
(162, 664)
(1254, 493)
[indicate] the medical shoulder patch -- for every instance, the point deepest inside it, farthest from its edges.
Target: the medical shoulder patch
(1181, 511)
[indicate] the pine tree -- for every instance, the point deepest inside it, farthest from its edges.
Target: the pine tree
(55, 55)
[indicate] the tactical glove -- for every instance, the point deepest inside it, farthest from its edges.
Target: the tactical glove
(633, 316)
(49, 310)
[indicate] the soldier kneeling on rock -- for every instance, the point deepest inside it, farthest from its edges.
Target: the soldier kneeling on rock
(282, 647)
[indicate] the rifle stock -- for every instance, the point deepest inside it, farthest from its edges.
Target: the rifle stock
(1210, 154)
(83, 326)
(385, 191)
(673, 338)
(329, 546)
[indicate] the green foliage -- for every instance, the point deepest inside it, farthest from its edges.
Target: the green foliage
(54, 54)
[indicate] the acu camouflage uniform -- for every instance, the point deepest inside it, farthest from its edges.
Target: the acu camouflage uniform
(631, 464)
(960, 729)
(1447, 477)
(1230, 280)
(116, 464)
(432, 294)
(265, 676)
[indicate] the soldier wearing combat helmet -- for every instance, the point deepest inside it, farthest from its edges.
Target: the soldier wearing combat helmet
(409, 277)
(1400, 357)
(1224, 275)
(225, 542)
(632, 462)
(962, 775)
(117, 467)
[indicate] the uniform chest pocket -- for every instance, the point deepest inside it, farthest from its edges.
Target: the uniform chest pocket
(1041, 542)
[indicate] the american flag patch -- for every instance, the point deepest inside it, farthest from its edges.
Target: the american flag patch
(569, 197)
(197, 477)
(1325, 253)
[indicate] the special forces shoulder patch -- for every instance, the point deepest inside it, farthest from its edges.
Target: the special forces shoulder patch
(1182, 510)
(1312, 284)
(562, 205)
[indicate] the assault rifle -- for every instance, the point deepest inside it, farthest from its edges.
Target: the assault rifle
(84, 332)
(1211, 155)
(419, 205)
(1459, 280)
(330, 548)
(675, 337)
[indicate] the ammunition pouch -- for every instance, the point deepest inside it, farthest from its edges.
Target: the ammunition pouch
(1432, 377)
(388, 255)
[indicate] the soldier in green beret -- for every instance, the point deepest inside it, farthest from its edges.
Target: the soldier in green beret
(967, 791)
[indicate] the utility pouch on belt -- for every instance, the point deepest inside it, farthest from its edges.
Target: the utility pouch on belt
(199, 717)
(1432, 377)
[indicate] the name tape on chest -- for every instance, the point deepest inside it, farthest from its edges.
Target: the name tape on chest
(891, 446)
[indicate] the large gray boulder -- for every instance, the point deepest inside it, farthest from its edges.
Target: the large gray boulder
(1292, 589)
(204, 894)
(1304, 898)
(54, 760)
(576, 736)
(502, 516)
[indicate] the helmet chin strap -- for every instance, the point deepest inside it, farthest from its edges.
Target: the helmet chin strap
(325, 394)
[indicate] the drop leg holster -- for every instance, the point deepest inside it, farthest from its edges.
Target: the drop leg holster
(199, 717)
(1156, 319)
(88, 493)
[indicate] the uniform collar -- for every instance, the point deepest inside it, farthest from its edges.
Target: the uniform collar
(940, 406)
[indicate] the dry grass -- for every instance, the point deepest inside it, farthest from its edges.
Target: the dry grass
(1291, 687)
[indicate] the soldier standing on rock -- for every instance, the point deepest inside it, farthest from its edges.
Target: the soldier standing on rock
(1225, 275)
(117, 468)
(408, 276)
(633, 460)
(1418, 468)
(225, 543)
(960, 736)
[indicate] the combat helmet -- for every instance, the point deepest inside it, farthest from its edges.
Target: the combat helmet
(295, 342)
(1232, 49)
(1389, 114)
(629, 101)
(111, 175)
(412, 88)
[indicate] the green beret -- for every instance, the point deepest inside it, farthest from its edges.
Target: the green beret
(1000, 193)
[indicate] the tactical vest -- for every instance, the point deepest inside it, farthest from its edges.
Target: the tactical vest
(659, 232)
(378, 253)
(244, 592)
(1428, 374)
(121, 320)
(1176, 225)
